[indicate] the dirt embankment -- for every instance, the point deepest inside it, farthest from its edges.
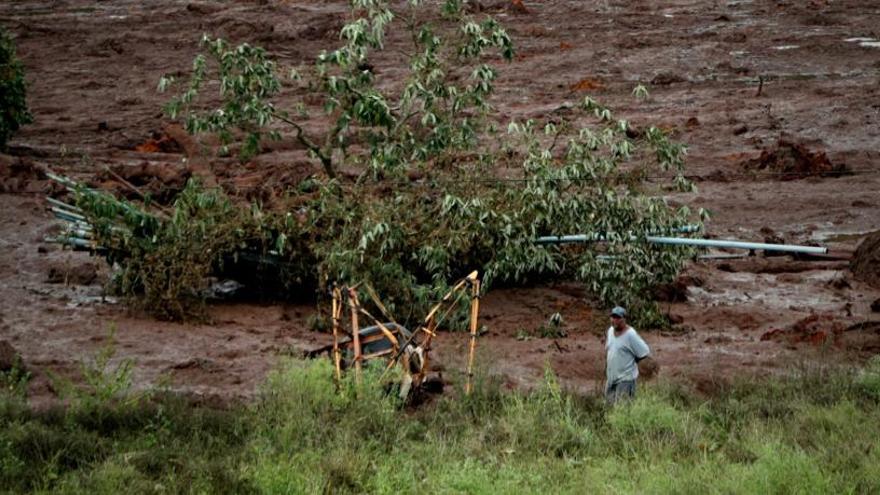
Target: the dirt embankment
(866, 260)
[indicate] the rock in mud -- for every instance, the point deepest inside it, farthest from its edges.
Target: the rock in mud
(865, 264)
(839, 283)
(816, 329)
(790, 160)
(19, 175)
(718, 339)
(160, 143)
(666, 78)
(62, 273)
(772, 237)
(161, 180)
(9, 357)
(677, 290)
(648, 368)
(875, 306)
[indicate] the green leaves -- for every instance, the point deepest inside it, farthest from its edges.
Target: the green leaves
(13, 88)
(408, 239)
(247, 82)
(433, 116)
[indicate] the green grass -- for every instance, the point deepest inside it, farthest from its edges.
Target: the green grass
(816, 431)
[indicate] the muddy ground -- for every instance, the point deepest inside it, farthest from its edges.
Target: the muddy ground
(733, 80)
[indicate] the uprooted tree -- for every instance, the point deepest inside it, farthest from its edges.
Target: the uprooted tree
(429, 203)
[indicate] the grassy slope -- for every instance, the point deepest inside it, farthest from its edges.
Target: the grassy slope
(816, 432)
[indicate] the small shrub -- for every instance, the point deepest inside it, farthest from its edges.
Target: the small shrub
(105, 398)
(14, 381)
(13, 102)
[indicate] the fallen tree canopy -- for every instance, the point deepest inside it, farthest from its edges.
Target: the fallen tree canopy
(408, 237)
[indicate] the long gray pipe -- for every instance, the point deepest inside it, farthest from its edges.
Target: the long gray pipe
(683, 241)
(788, 248)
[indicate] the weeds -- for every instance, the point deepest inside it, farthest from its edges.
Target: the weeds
(14, 381)
(814, 431)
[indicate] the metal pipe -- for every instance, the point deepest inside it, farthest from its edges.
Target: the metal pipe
(684, 241)
(72, 187)
(68, 215)
(71, 223)
(595, 237)
(751, 246)
(63, 205)
(610, 257)
(71, 241)
(80, 233)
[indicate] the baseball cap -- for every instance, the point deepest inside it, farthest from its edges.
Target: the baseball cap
(619, 312)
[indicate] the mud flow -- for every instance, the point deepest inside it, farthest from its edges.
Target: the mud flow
(777, 101)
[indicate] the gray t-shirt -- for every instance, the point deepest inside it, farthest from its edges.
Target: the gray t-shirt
(622, 353)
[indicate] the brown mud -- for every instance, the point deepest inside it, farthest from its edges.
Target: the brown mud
(730, 79)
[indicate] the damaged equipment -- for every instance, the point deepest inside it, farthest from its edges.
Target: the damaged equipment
(392, 343)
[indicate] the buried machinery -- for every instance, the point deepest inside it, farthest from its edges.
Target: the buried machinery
(393, 343)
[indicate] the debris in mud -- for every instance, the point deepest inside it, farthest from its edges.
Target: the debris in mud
(393, 343)
(159, 143)
(197, 364)
(674, 318)
(20, 175)
(648, 368)
(676, 291)
(865, 264)
(790, 160)
(161, 180)
(203, 8)
(233, 27)
(772, 237)
(718, 339)
(778, 266)
(666, 78)
(677, 330)
(517, 7)
(815, 329)
(63, 273)
(863, 337)
(839, 283)
(875, 306)
(9, 356)
(587, 84)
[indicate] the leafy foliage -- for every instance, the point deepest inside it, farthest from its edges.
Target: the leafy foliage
(13, 103)
(165, 259)
(578, 174)
(434, 113)
(14, 381)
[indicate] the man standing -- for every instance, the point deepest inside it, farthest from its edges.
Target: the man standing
(624, 349)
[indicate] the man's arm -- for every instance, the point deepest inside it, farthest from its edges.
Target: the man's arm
(638, 347)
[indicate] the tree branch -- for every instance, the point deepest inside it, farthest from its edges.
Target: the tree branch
(326, 161)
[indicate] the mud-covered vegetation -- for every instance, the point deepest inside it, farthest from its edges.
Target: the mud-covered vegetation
(13, 105)
(428, 203)
(812, 432)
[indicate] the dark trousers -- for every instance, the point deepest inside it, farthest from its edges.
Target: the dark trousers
(620, 391)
